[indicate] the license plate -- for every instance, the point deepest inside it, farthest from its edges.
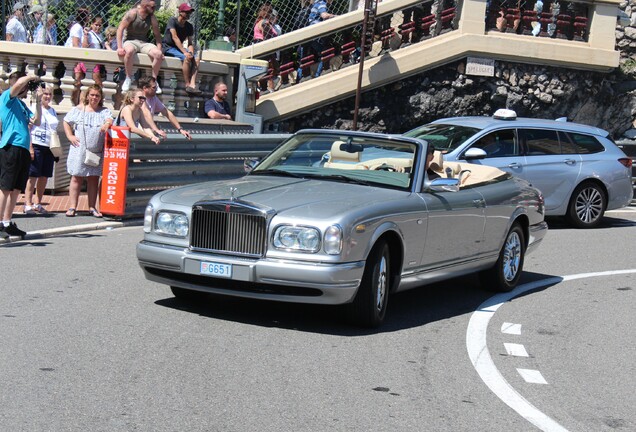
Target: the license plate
(216, 269)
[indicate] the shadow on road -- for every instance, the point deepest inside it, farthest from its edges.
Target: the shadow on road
(410, 309)
(557, 223)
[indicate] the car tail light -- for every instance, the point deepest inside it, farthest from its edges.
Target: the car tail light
(626, 162)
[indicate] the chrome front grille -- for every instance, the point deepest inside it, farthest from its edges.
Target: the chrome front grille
(229, 229)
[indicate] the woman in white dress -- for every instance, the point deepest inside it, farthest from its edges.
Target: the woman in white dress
(42, 160)
(85, 127)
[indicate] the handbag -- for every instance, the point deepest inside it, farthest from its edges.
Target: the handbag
(91, 159)
(55, 146)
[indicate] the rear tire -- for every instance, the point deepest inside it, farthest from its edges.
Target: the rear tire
(369, 306)
(187, 294)
(505, 274)
(587, 206)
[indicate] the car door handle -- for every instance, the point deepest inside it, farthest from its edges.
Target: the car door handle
(569, 161)
(514, 165)
(479, 203)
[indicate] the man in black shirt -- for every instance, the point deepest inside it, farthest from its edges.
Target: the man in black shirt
(178, 31)
(217, 107)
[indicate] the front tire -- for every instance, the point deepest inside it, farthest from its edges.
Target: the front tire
(587, 206)
(505, 274)
(369, 306)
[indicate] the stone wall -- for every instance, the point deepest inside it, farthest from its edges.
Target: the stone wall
(605, 100)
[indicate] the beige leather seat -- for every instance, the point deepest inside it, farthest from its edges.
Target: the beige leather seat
(341, 159)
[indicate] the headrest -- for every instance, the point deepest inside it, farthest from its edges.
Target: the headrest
(337, 154)
(437, 164)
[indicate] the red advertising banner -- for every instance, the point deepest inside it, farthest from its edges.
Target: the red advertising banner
(115, 171)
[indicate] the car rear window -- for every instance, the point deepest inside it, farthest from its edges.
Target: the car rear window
(576, 143)
(541, 142)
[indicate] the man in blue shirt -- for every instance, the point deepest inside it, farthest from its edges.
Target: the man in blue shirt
(217, 107)
(15, 146)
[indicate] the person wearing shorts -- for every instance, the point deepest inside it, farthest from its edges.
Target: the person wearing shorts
(15, 157)
(178, 31)
(132, 38)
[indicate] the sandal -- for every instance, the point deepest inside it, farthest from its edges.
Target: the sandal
(70, 212)
(93, 212)
(41, 210)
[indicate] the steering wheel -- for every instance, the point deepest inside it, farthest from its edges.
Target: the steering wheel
(386, 167)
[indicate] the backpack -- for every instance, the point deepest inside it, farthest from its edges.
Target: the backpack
(302, 18)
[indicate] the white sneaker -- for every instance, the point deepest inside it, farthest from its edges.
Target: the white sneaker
(29, 210)
(126, 85)
(158, 91)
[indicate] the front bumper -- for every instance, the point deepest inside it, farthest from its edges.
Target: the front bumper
(270, 279)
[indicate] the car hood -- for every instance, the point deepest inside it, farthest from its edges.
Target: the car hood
(317, 198)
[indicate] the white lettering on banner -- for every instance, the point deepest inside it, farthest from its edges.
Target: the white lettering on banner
(480, 66)
(111, 177)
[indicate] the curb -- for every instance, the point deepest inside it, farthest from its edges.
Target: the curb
(54, 232)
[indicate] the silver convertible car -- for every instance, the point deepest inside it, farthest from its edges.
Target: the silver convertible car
(342, 218)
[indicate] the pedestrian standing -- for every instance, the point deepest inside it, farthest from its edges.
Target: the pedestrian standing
(15, 157)
(85, 127)
(42, 160)
(15, 30)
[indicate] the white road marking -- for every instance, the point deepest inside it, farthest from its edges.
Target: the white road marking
(516, 350)
(532, 376)
(510, 328)
(482, 361)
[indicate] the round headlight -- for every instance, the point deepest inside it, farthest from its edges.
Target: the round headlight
(309, 239)
(304, 239)
(180, 224)
(287, 237)
(164, 220)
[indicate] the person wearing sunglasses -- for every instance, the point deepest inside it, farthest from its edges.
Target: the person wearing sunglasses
(131, 115)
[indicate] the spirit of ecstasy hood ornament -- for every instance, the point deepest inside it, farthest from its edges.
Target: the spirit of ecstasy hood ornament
(232, 192)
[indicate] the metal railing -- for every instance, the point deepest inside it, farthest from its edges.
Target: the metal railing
(178, 162)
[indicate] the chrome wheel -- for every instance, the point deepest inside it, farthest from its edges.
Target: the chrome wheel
(512, 256)
(505, 274)
(381, 284)
(589, 205)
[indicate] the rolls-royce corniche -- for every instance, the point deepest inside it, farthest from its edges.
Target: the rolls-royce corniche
(342, 218)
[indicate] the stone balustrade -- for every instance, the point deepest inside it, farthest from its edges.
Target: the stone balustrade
(60, 62)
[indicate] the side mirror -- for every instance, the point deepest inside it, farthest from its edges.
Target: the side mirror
(250, 164)
(475, 153)
(444, 185)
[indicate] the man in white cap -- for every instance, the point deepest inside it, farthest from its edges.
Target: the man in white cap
(15, 31)
(178, 31)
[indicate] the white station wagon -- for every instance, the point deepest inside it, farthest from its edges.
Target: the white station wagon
(579, 170)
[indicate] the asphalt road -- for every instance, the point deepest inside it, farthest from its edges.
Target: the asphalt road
(89, 344)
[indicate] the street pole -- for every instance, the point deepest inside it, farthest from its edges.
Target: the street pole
(368, 23)
(219, 43)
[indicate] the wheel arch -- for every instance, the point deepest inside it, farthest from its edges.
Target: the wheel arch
(524, 222)
(594, 180)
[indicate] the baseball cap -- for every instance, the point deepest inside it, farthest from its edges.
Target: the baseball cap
(36, 8)
(18, 6)
(185, 7)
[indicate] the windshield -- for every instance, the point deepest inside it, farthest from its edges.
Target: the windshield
(346, 159)
(443, 137)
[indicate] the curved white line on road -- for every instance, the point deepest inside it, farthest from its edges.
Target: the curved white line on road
(482, 361)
